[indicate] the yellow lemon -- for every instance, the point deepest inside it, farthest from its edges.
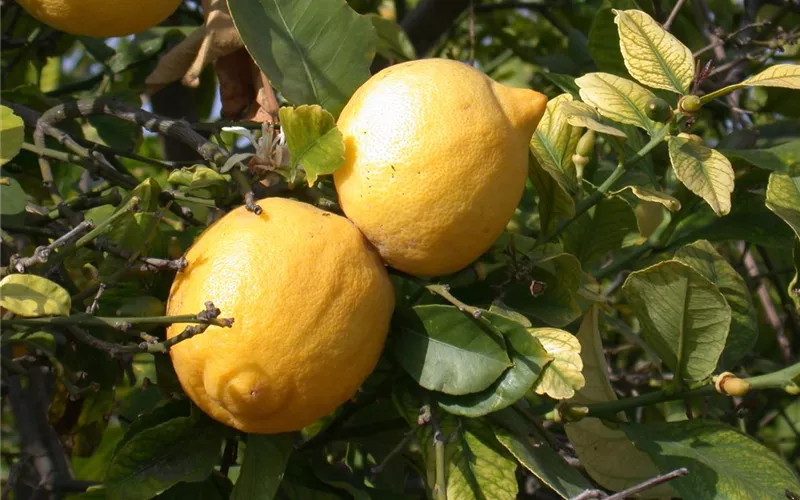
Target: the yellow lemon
(435, 163)
(100, 18)
(311, 302)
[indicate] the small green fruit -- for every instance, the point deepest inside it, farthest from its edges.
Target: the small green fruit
(658, 110)
(689, 104)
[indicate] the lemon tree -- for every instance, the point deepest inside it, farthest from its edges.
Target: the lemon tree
(381, 249)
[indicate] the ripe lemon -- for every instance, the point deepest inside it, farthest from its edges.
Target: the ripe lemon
(100, 18)
(311, 302)
(435, 162)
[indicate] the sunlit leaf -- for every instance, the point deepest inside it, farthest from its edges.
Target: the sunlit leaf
(562, 377)
(722, 463)
(703, 258)
(445, 350)
(554, 142)
(555, 204)
(684, 317)
(651, 195)
(314, 51)
(30, 295)
(783, 198)
(580, 114)
(617, 99)
(652, 55)
(781, 75)
(314, 142)
(705, 171)
(480, 467)
(607, 454)
(12, 134)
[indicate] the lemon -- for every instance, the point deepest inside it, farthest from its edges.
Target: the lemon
(100, 18)
(435, 162)
(311, 302)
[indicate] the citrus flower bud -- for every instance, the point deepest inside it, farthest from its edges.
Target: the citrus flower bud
(729, 384)
(658, 110)
(689, 104)
(586, 144)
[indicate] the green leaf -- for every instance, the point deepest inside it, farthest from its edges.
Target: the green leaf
(533, 451)
(580, 114)
(606, 453)
(554, 142)
(216, 487)
(480, 467)
(750, 220)
(723, 463)
(647, 194)
(158, 415)
(314, 51)
(393, 43)
(30, 295)
(181, 449)
(314, 141)
(794, 286)
(599, 231)
(529, 359)
(12, 201)
(557, 306)
(684, 317)
(554, 203)
(618, 99)
(445, 350)
(12, 134)
(562, 377)
(703, 258)
(705, 171)
(783, 198)
(778, 158)
(265, 459)
(652, 55)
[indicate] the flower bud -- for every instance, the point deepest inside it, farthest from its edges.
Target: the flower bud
(689, 104)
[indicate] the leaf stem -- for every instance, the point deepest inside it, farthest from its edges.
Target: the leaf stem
(120, 323)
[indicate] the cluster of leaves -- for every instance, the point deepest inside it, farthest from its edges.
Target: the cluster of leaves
(594, 329)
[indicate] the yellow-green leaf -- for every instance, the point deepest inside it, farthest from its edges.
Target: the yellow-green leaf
(705, 171)
(480, 468)
(783, 198)
(617, 99)
(580, 114)
(12, 133)
(30, 295)
(652, 55)
(562, 376)
(314, 142)
(647, 194)
(781, 75)
(554, 142)
(607, 454)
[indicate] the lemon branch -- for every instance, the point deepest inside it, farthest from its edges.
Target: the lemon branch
(785, 379)
(119, 323)
(593, 199)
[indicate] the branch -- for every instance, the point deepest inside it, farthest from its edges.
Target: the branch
(643, 486)
(42, 254)
(673, 14)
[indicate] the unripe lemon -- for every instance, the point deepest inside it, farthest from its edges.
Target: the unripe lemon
(100, 18)
(435, 163)
(311, 302)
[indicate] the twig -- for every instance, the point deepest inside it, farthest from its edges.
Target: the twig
(440, 488)
(399, 447)
(42, 254)
(643, 486)
(673, 14)
(92, 308)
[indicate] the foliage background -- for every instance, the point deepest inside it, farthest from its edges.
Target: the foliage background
(83, 406)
